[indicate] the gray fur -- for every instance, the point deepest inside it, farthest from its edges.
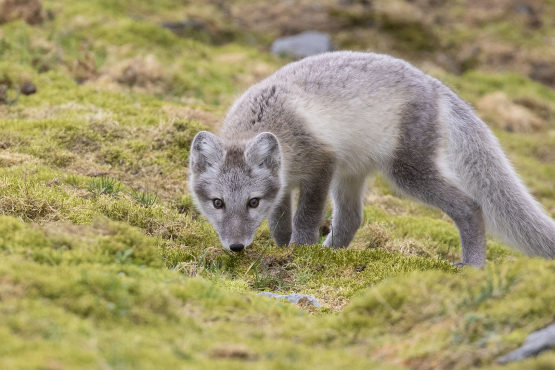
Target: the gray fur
(347, 195)
(337, 118)
(511, 213)
(312, 199)
(280, 222)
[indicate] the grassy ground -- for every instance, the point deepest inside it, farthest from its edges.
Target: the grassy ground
(104, 262)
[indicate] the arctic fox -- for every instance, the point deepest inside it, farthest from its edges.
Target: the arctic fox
(325, 123)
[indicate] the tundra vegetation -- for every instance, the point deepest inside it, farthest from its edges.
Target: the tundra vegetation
(104, 262)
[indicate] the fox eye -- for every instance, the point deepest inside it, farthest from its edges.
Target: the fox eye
(253, 203)
(218, 203)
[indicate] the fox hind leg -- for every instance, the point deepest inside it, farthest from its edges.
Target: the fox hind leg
(428, 185)
(347, 193)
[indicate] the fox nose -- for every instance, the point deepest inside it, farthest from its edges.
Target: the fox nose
(236, 247)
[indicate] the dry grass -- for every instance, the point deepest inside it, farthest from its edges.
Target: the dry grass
(507, 115)
(143, 74)
(30, 11)
(9, 159)
(232, 351)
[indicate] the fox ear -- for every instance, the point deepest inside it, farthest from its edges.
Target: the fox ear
(206, 151)
(264, 151)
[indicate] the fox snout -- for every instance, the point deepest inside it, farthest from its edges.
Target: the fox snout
(236, 247)
(235, 236)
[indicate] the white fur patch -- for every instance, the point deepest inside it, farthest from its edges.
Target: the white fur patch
(361, 131)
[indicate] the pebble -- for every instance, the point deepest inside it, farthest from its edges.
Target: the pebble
(28, 88)
(535, 343)
(294, 298)
(303, 45)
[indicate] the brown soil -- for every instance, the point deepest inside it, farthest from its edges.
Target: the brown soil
(28, 10)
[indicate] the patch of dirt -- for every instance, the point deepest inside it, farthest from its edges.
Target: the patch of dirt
(278, 267)
(306, 304)
(543, 71)
(206, 118)
(84, 69)
(232, 351)
(9, 289)
(30, 11)
(143, 74)
(3, 93)
(285, 17)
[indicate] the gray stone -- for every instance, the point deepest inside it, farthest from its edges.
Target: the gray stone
(294, 298)
(303, 45)
(535, 343)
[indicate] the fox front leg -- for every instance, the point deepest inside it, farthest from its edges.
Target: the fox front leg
(280, 221)
(312, 200)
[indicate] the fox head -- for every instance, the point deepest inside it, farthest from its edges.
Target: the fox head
(235, 187)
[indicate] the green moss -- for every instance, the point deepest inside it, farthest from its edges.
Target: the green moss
(474, 84)
(454, 313)
(67, 304)
(76, 299)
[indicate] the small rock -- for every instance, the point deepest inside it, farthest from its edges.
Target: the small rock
(303, 45)
(293, 298)
(146, 72)
(28, 88)
(524, 8)
(535, 343)
(3, 93)
(186, 25)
